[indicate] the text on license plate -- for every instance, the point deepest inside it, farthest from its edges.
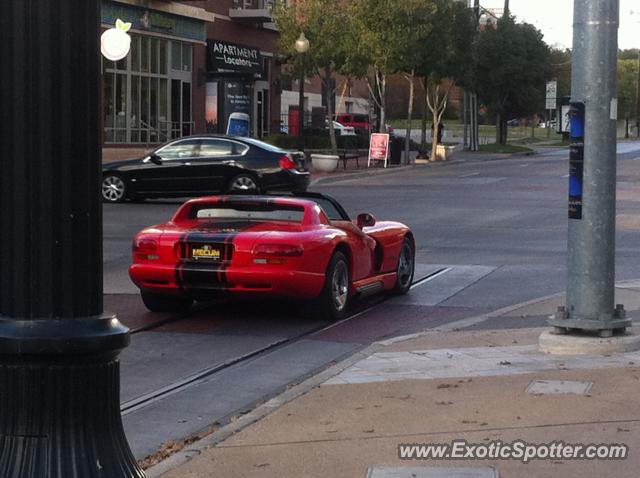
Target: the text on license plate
(206, 252)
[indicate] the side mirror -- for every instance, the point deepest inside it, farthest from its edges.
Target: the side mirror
(155, 159)
(365, 220)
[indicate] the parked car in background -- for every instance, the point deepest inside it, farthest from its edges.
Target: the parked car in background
(207, 164)
(342, 130)
(302, 247)
(360, 122)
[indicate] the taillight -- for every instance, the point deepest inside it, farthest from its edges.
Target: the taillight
(287, 163)
(144, 248)
(145, 245)
(275, 253)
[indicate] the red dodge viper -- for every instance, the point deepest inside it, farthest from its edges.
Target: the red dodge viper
(302, 246)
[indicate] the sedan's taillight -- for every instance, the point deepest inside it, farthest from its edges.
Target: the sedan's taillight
(287, 163)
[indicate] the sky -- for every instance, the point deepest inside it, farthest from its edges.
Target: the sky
(554, 18)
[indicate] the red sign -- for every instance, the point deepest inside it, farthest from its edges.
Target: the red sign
(379, 147)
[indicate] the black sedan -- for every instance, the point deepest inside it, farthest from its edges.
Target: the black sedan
(200, 165)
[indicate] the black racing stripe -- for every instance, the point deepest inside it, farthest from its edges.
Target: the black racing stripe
(193, 274)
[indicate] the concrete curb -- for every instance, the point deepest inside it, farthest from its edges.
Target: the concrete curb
(359, 175)
(257, 414)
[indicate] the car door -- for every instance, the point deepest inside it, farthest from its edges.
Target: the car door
(172, 174)
(217, 164)
(362, 245)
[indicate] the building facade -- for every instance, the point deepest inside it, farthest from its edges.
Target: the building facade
(191, 65)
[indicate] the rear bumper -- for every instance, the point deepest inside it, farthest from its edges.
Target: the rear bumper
(256, 281)
(287, 180)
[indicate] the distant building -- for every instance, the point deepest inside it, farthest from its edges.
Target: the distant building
(191, 65)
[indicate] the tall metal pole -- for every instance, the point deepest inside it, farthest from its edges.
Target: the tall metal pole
(638, 95)
(59, 372)
(301, 106)
(591, 244)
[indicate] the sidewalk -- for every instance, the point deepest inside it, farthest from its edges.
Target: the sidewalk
(471, 380)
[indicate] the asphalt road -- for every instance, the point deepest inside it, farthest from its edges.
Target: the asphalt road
(496, 229)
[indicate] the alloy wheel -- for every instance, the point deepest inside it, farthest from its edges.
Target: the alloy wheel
(340, 285)
(243, 183)
(113, 189)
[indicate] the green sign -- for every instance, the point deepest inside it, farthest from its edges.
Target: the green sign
(154, 21)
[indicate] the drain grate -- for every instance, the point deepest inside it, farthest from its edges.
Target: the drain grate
(559, 387)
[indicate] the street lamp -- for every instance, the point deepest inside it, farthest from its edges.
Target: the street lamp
(302, 47)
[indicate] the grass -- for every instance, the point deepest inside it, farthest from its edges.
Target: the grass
(507, 148)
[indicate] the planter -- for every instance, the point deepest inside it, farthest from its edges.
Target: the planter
(324, 163)
(443, 152)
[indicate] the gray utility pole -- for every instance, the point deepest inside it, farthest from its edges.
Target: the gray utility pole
(592, 207)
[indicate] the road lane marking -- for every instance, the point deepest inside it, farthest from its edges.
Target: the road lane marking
(469, 175)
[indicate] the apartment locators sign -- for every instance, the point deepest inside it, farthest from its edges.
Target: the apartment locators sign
(233, 58)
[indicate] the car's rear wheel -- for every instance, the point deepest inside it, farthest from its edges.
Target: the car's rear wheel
(334, 299)
(114, 189)
(243, 183)
(164, 303)
(405, 268)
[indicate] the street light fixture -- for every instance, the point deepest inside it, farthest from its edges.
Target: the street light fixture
(302, 47)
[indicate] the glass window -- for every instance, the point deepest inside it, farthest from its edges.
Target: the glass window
(144, 53)
(109, 107)
(179, 150)
(186, 57)
(162, 67)
(176, 55)
(155, 53)
(121, 101)
(153, 103)
(135, 53)
(216, 147)
(162, 112)
(135, 101)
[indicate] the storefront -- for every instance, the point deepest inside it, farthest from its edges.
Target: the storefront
(148, 97)
(238, 79)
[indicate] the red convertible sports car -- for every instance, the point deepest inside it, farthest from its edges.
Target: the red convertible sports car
(302, 246)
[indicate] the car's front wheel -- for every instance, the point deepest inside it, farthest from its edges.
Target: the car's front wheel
(334, 299)
(114, 188)
(243, 183)
(405, 268)
(164, 303)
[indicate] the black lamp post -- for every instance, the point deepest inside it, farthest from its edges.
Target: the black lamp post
(59, 373)
(302, 47)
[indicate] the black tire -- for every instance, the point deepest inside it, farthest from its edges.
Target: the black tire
(165, 303)
(334, 300)
(244, 184)
(405, 268)
(114, 188)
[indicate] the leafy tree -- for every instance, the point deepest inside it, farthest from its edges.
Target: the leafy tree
(376, 44)
(325, 24)
(631, 54)
(559, 69)
(628, 76)
(445, 59)
(510, 71)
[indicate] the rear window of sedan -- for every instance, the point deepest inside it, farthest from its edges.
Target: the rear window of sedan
(248, 212)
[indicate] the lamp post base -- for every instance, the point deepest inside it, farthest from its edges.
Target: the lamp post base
(60, 392)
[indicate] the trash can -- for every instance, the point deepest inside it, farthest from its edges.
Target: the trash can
(396, 145)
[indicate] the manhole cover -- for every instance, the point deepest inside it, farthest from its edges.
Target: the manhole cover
(558, 387)
(432, 472)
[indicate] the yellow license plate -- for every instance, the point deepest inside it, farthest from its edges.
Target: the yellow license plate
(206, 252)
